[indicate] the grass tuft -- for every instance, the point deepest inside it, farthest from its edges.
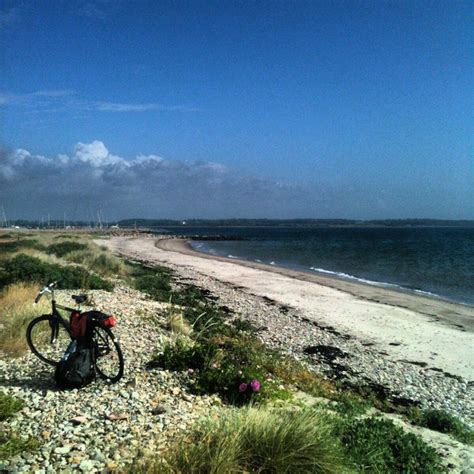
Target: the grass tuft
(256, 440)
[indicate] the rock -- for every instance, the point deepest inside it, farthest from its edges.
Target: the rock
(117, 416)
(86, 465)
(79, 420)
(62, 450)
(158, 410)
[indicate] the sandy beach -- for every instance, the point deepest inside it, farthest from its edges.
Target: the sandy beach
(430, 332)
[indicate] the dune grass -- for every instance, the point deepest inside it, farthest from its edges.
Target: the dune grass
(16, 311)
(255, 440)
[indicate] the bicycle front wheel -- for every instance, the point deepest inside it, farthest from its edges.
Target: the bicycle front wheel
(109, 358)
(48, 338)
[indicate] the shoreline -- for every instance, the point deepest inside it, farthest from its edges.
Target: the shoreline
(388, 327)
(455, 314)
(404, 354)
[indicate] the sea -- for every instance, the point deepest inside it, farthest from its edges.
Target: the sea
(432, 261)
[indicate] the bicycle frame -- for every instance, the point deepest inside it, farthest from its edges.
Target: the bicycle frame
(57, 315)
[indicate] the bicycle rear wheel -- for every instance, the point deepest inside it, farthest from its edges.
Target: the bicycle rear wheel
(109, 362)
(48, 338)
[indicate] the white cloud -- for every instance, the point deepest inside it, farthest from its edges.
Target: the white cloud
(148, 186)
(51, 101)
(96, 154)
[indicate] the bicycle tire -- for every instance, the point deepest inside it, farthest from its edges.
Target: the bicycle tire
(100, 342)
(50, 344)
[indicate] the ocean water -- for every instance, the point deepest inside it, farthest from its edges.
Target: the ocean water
(437, 262)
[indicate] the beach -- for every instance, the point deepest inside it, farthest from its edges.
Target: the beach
(417, 347)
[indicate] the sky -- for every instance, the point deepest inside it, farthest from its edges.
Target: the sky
(213, 109)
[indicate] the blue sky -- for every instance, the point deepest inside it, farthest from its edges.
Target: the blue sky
(342, 109)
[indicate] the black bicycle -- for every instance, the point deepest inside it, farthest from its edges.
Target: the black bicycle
(49, 336)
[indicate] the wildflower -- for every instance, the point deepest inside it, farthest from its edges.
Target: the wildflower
(215, 366)
(242, 387)
(255, 384)
(190, 371)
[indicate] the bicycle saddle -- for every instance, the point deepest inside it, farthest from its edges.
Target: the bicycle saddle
(79, 298)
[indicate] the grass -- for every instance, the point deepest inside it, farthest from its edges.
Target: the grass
(377, 445)
(16, 311)
(10, 443)
(255, 440)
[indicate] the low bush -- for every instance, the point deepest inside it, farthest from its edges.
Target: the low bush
(15, 245)
(439, 420)
(155, 282)
(9, 406)
(62, 248)
(377, 445)
(232, 367)
(24, 268)
(10, 443)
(189, 295)
(255, 440)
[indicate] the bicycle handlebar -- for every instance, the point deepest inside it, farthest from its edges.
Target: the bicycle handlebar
(46, 289)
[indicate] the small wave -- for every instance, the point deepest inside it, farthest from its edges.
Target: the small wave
(258, 260)
(232, 256)
(427, 293)
(374, 283)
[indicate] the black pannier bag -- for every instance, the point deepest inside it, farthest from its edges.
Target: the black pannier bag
(77, 367)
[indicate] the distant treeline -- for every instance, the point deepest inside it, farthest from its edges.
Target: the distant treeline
(154, 223)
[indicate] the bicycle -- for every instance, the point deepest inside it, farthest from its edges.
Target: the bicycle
(49, 336)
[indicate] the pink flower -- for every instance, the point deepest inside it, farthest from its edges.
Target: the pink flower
(215, 366)
(255, 384)
(242, 387)
(190, 371)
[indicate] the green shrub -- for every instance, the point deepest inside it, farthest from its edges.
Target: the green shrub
(11, 444)
(62, 248)
(376, 445)
(439, 420)
(230, 367)
(15, 245)
(9, 406)
(189, 295)
(255, 440)
(155, 282)
(24, 268)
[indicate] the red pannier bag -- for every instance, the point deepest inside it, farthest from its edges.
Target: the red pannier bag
(78, 322)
